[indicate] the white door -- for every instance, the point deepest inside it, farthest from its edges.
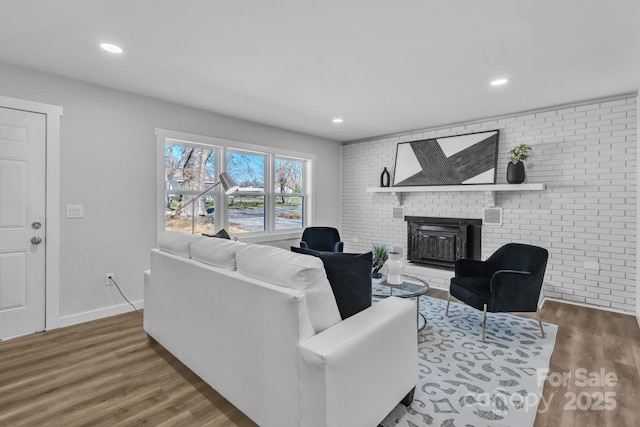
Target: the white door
(22, 222)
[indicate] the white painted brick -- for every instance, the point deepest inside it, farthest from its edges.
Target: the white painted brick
(586, 155)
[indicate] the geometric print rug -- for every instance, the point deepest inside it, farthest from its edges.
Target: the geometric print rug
(463, 382)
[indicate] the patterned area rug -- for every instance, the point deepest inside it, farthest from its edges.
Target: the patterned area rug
(463, 382)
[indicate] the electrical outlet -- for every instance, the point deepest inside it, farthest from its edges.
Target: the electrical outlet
(108, 278)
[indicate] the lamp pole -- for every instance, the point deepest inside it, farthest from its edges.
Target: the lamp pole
(229, 185)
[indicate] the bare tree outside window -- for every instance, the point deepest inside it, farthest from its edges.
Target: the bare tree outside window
(189, 169)
(246, 206)
(266, 180)
(289, 188)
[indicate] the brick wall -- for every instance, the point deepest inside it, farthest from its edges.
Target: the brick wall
(584, 153)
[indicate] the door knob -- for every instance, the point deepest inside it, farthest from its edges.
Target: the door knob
(36, 240)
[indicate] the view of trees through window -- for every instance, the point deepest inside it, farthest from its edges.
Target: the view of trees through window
(246, 206)
(190, 170)
(288, 175)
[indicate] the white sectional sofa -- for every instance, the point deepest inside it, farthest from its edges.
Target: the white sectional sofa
(261, 326)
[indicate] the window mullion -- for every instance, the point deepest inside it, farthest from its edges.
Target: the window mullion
(221, 214)
(270, 205)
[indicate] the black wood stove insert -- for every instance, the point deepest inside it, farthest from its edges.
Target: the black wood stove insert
(439, 242)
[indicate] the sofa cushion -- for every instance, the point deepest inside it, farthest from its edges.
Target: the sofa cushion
(217, 252)
(291, 270)
(349, 276)
(177, 243)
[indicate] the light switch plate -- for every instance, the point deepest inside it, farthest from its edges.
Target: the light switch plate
(75, 211)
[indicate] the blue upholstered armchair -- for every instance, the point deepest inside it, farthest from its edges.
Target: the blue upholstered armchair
(321, 239)
(510, 280)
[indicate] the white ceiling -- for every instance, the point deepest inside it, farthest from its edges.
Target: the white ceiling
(384, 66)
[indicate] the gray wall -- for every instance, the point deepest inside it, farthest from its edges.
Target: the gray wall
(108, 165)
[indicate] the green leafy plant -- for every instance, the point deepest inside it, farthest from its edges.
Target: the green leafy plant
(380, 255)
(380, 251)
(519, 153)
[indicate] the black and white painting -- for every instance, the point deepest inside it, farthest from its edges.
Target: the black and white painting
(453, 160)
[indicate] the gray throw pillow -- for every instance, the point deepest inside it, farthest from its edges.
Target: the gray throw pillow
(222, 234)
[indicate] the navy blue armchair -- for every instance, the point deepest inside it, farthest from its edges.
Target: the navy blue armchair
(325, 239)
(510, 280)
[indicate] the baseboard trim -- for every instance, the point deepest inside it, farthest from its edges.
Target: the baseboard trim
(438, 287)
(99, 313)
(545, 298)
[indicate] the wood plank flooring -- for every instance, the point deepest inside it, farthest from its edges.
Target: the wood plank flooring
(592, 340)
(103, 373)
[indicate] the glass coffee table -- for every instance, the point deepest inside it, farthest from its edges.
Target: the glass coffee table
(411, 287)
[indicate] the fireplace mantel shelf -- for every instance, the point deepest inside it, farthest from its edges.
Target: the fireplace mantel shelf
(488, 189)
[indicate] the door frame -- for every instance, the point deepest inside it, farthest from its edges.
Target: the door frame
(53, 114)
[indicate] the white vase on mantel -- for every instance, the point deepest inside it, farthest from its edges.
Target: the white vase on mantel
(395, 268)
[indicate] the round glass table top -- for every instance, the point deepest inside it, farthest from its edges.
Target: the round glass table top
(411, 287)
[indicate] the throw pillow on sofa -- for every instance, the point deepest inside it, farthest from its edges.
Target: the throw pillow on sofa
(349, 276)
(222, 234)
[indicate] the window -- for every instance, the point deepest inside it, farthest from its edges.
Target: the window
(189, 170)
(289, 193)
(247, 205)
(273, 197)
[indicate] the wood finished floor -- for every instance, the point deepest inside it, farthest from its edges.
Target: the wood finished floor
(103, 373)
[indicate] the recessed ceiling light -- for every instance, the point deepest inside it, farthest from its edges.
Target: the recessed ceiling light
(337, 120)
(498, 82)
(111, 48)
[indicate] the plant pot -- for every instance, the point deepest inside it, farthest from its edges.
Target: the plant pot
(515, 173)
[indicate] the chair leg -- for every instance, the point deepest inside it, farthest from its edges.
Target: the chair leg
(484, 322)
(539, 322)
(448, 302)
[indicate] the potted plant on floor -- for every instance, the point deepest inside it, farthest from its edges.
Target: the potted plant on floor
(515, 169)
(380, 255)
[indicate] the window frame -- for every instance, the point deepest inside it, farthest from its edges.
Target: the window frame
(215, 191)
(303, 195)
(221, 215)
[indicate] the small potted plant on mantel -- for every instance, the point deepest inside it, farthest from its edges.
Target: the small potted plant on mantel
(515, 169)
(380, 255)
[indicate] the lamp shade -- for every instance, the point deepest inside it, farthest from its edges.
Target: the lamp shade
(228, 184)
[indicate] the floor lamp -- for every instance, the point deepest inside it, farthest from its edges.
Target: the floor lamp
(228, 184)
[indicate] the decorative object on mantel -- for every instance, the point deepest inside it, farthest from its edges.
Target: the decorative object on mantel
(454, 160)
(380, 255)
(395, 268)
(515, 169)
(385, 178)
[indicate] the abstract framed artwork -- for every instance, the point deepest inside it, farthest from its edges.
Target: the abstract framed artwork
(453, 160)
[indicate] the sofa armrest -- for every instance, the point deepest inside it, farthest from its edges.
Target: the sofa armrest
(355, 372)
